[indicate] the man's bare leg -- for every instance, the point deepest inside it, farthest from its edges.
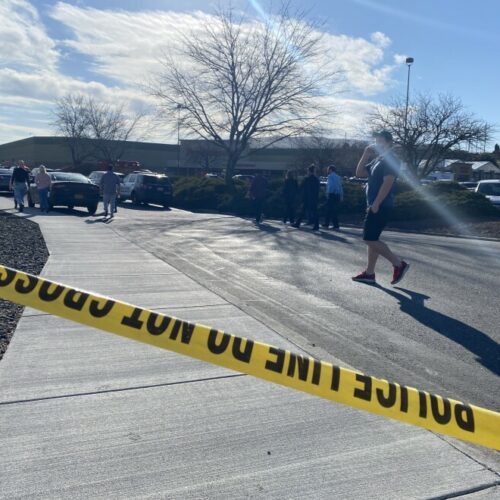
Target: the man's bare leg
(372, 258)
(376, 248)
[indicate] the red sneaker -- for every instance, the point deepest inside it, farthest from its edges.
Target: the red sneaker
(399, 272)
(364, 277)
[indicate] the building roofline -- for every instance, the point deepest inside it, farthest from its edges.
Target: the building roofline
(55, 138)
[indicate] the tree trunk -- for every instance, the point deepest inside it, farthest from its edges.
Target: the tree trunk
(230, 167)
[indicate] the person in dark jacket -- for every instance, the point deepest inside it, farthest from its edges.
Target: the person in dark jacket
(19, 183)
(258, 193)
(310, 193)
(290, 192)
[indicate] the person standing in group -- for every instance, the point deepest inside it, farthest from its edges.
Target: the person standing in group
(258, 193)
(19, 183)
(43, 182)
(12, 164)
(290, 192)
(110, 187)
(334, 194)
(382, 173)
(310, 194)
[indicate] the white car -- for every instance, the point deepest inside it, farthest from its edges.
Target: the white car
(490, 189)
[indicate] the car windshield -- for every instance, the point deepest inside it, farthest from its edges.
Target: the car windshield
(492, 189)
(68, 177)
(156, 180)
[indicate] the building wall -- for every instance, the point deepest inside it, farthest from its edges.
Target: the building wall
(54, 153)
(18, 150)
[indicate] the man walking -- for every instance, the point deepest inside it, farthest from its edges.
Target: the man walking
(334, 194)
(19, 183)
(290, 191)
(382, 173)
(110, 186)
(310, 193)
(258, 193)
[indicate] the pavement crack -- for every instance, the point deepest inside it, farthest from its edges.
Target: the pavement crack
(120, 389)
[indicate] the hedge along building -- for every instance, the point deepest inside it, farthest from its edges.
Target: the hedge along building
(191, 157)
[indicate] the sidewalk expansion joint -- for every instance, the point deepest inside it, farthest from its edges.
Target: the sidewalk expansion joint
(469, 491)
(121, 389)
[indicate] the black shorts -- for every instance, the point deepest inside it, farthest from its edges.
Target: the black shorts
(375, 223)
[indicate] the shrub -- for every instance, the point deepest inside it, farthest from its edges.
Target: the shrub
(354, 198)
(195, 193)
(450, 196)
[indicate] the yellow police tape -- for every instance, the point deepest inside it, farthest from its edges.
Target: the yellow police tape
(300, 372)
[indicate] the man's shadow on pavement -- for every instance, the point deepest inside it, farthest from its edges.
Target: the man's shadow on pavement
(485, 348)
(105, 220)
(267, 228)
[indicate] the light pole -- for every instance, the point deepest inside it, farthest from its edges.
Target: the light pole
(179, 107)
(409, 62)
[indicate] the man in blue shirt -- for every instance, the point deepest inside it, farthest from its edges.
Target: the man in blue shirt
(382, 173)
(334, 194)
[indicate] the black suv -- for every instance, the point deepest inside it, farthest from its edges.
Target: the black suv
(147, 187)
(5, 175)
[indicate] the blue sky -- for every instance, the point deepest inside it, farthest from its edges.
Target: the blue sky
(108, 47)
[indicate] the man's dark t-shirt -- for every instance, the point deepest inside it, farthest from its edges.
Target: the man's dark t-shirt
(310, 190)
(20, 175)
(290, 190)
(377, 170)
(258, 188)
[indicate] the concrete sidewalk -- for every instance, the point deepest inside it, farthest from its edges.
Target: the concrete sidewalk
(86, 414)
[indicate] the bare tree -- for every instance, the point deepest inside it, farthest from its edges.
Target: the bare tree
(205, 154)
(430, 129)
(92, 129)
(110, 128)
(71, 121)
(315, 148)
(243, 79)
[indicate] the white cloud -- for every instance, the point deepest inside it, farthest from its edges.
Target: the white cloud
(11, 132)
(45, 86)
(352, 117)
(129, 52)
(380, 39)
(361, 62)
(23, 38)
(125, 47)
(400, 58)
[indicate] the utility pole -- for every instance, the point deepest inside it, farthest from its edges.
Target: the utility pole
(409, 62)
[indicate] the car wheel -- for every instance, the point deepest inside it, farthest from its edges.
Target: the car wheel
(135, 199)
(92, 209)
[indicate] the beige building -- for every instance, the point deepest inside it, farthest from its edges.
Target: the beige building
(53, 152)
(191, 158)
